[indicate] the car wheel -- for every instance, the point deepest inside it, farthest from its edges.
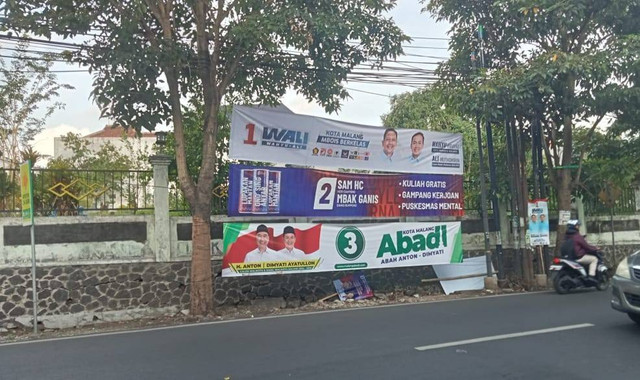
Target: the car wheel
(603, 282)
(562, 283)
(634, 317)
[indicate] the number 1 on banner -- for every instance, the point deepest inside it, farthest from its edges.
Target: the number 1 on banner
(251, 129)
(325, 194)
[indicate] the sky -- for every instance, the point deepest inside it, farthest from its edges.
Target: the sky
(82, 116)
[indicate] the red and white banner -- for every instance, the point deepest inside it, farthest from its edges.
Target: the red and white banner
(259, 249)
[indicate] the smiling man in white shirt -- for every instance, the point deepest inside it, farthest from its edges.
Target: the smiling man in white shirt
(262, 252)
(290, 252)
(417, 143)
(389, 144)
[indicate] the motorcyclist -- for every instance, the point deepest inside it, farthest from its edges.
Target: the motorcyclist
(581, 249)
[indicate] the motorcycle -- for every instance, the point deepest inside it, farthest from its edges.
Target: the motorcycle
(570, 275)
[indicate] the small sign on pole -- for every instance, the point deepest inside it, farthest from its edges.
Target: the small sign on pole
(26, 191)
(27, 195)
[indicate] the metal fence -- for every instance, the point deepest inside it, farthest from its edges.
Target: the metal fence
(75, 192)
(178, 204)
(624, 204)
(593, 205)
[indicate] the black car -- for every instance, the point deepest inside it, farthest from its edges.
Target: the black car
(626, 287)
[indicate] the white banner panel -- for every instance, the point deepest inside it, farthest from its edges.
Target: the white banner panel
(538, 222)
(260, 249)
(271, 136)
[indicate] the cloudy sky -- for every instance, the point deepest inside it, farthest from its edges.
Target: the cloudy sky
(80, 115)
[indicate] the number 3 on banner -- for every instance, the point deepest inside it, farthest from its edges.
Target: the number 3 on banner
(325, 194)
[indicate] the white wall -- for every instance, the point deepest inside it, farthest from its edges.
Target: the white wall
(95, 143)
(133, 251)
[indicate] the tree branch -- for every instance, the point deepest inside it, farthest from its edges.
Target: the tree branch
(583, 149)
(581, 36)
(162, 15)
(188, 187)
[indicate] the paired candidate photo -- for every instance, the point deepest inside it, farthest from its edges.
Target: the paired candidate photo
(263, 253)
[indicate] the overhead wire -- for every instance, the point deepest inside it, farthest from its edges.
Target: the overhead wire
(368, 92)
(430, 38)
(389, 73)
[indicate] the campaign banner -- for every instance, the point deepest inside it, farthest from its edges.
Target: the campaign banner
(307, 192)
(263, 249)
(271, 136)
(538, 222)
(353, 286)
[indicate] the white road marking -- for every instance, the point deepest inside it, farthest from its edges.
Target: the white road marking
(504, 336)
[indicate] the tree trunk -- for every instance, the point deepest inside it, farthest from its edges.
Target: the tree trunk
(514, 180)
(563, 192)
(201, 275)
(527, 253)
(564, 180)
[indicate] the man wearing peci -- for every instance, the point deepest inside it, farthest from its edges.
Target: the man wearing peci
(389, 143)
(290, 252)
(417, 143)
(262, 252)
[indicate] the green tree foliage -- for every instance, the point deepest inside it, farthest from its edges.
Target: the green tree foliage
(564, 62)
(149, 58)
(612, 164)
(627, 93)
(27, 92)
(116, 169)
(193, 118)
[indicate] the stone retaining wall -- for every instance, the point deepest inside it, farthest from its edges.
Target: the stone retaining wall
(93, 290)
(621, 251)
(97, 289)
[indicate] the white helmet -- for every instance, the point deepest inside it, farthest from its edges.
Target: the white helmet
(573, 222)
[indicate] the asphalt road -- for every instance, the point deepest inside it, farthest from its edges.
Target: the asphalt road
(528, 336)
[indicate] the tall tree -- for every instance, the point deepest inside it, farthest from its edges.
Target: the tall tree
(28, 90)
(193, 117)
(613, 163)
(148, 57)
(563, 63)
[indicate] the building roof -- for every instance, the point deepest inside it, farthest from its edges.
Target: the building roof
(117, 131)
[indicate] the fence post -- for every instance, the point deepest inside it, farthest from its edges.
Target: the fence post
(161, 237)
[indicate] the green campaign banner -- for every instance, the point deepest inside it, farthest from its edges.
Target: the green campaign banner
(26, 192)
(276, 248)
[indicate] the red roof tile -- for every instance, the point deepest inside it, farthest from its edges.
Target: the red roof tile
(116, 131)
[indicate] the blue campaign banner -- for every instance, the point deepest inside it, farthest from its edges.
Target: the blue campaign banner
(274, 191)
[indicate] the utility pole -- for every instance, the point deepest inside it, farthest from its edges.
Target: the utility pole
(494, 199)
(483, 187)
(514, 180)
(541, 184)
(483, 200)
(492, 174)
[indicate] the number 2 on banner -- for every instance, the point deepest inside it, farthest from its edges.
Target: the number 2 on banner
(325, 194)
